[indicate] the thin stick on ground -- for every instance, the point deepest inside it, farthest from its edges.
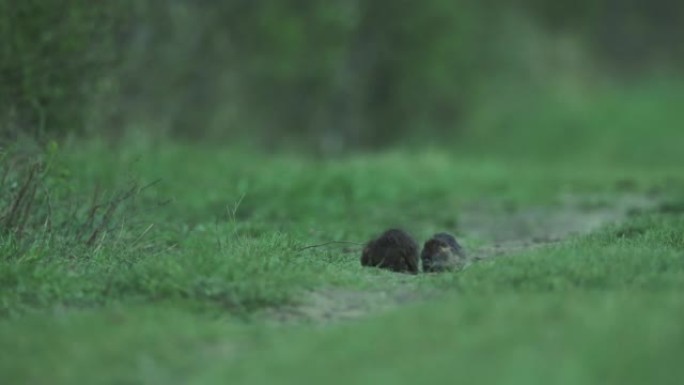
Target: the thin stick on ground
(141, 236)
(24, 216)
(329, 243)
(92, 212)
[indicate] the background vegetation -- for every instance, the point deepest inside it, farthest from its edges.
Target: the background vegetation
(327, 76)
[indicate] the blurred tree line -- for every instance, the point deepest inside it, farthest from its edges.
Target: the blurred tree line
(53, 58)
(336, 74)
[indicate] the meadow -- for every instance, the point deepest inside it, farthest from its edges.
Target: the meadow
(161, 262)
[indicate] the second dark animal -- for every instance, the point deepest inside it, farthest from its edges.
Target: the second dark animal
(394, 250)
(442, 253)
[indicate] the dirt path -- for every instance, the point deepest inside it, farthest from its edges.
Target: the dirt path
(506, 231)
(500, 232)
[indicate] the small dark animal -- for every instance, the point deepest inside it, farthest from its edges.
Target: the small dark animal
(442, 253)
(394, 250)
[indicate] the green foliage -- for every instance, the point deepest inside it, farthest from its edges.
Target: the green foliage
(41, 208)
(635, 124)
(629, 36)
(327, 76)
(52, 59)
(341, 73)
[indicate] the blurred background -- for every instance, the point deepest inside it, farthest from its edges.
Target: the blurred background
(598, 79)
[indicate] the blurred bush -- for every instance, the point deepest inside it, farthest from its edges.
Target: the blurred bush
(630, 36)
(329, 75)
(342, 73)
(54, 57)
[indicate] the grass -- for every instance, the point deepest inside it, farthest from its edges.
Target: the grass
(203, 277)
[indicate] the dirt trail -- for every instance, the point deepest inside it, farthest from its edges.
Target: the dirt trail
(506, 231)
(500, 231)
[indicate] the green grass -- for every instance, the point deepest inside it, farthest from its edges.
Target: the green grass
(590, 337)
(199, 296)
